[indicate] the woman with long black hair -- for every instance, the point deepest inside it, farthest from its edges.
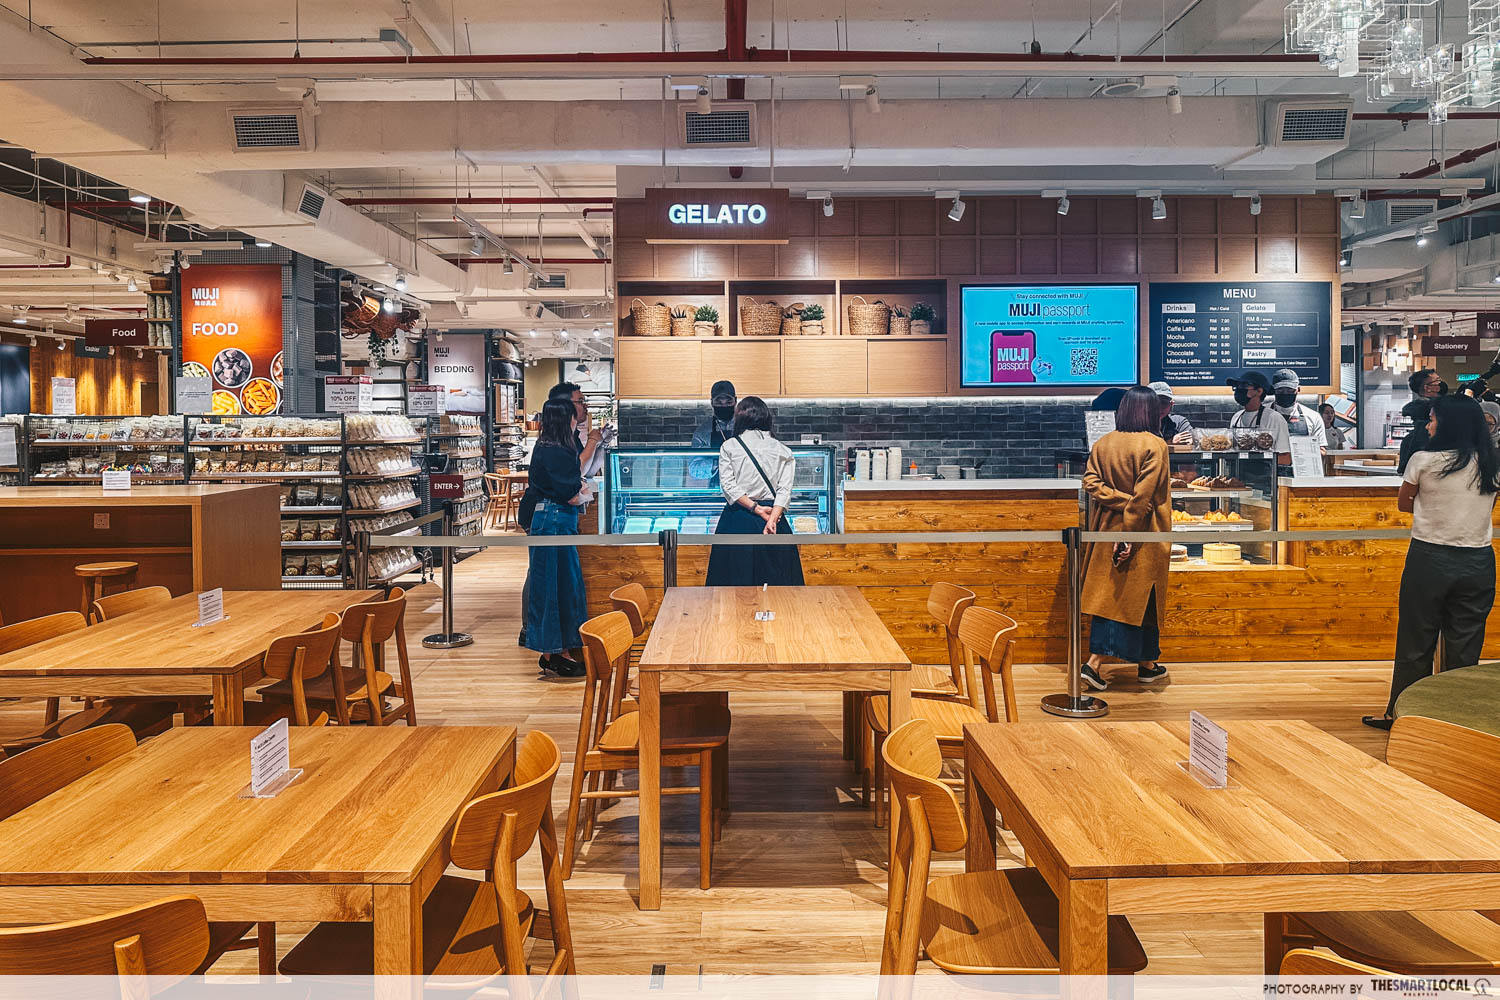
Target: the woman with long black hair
(1448, 584)
(557, 604)
(756, 473)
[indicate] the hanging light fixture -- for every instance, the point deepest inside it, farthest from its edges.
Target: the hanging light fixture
(1174, 101)
(872, 99)
(509, 267)
(956, 210)
(389, 305)
(131, 286)
(704, 101)
(1158, 208)
(400, 282)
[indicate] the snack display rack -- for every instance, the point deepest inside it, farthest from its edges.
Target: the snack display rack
(73, 450)
(12, 447)
(458, 440)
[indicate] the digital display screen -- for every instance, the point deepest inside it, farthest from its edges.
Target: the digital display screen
(1050, 335)
(1203, 332)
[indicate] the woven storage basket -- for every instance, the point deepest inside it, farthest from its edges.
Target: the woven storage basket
(900, 326)
(650, 321)
(682, 326)
(868, 319)
(759, 319)
(791, 320)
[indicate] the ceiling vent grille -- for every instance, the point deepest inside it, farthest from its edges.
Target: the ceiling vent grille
(312, 202)
(554, 279)
(727, 126)
(1401, 212)
(1311, 123)
(274, 126)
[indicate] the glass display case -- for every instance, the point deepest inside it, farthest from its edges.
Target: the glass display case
(650, 489)
(1212, 490)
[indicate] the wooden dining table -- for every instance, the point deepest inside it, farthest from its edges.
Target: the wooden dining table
(160, 650)
(362, 835)
(1307, 823)
(708, 639)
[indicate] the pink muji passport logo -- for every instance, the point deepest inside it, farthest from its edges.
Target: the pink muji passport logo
(1011, 354)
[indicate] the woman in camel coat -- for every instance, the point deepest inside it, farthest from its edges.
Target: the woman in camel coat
(1125, 584)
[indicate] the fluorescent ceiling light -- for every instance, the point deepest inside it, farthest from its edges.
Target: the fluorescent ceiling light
(139, 197)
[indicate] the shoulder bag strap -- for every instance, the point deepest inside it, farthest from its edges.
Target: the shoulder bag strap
(764, 478)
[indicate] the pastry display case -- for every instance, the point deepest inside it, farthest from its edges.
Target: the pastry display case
(651, 489)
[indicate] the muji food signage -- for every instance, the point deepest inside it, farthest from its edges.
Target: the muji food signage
(728, 215)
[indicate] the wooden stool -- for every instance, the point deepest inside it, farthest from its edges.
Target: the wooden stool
(102, 574)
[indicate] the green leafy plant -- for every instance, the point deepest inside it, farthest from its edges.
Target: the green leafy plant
(378, 346)
(923, 311)
(679, 312)
(812, 313)
(897, 311)
(706, 314)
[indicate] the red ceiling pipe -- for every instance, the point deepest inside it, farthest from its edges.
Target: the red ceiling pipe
(482, 201)
(106, 203)
(534, 260)
(594, 211)
(736, 29)
(1467, 156)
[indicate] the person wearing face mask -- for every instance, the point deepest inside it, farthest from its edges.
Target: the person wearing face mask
(718, 426)
(1301, 420)
(1250, 391)
(1426, 386)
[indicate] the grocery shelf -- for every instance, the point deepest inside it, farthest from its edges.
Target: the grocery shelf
(105, 443)
(404, 473)
(469, 517)
(376, 444)
(377, 511)
(314, 582)
(397, 574)
(1212, 526)
(1196, 494)
(331, 511)
(94, 477)
(232, 476)
(476, 434)
(240, 442)
(313, 545)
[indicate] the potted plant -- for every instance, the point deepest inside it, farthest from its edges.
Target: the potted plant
(682, 321)
(900, 322)
(922, 316)
(812, 320)
(706, 322)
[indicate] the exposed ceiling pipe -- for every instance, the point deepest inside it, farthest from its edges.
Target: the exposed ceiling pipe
(535, 260)
(57, 265)
(736, 29)
(1467, 156)
(476, 200)
(1421, 116)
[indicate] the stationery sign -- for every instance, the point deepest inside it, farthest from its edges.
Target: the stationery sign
(64, 397)
(1450, 346)
(426, 401)
(717, 215)
(348, 394)
(195, 394)
(116, 479)
(271, 761)
(109, 332)
(1208, 752)
(210, 607)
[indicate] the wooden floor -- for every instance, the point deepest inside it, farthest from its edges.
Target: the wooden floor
(799, 883)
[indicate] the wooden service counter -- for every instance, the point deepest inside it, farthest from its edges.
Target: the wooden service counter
(185, 538)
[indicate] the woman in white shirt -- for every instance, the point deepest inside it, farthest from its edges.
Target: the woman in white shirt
(756, 473)
(1448, 584)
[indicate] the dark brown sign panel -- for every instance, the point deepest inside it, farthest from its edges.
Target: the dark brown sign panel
(716, 215)
(1488, 324)
(445, 487)
(1450, 346)
(112, 332)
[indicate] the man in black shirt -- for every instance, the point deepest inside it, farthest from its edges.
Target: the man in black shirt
(718, 427)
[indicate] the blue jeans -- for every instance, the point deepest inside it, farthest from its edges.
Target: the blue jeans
(557, 604)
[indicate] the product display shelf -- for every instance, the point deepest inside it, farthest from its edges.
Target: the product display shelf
(378, 511)
(69, 449)
(378, 476)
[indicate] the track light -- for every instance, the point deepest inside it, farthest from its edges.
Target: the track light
(1158, 208)
(562, 334)
(140, 353)
(872, 99)
(184, 263)
(1422, 241)
(400, 282)
(263, 244)
(1063, 205)
(139, 198)
(61, 343)
(31, 340)
(531, 333)
(389, 305)
(131, 286)
(509, 267)
(114, 276)
(476, 246)
(704, 101)
(598, 335)
(1174, 101)
(828, 206)
(1255, 204)
(1357, 208)
(19, 314)
(440, 336)
(956, 213)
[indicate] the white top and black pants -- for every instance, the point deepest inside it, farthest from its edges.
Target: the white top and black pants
(757, 466)
(1448, 584)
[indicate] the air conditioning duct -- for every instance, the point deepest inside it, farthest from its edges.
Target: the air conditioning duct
(729, 125)
(1404, 210)
(1309, 123)
(280, 126)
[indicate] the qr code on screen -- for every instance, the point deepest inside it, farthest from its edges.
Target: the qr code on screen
(1084, 361)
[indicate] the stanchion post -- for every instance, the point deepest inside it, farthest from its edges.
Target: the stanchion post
(1075, 704)
(362, 560)
(447, 638)
(668, 541)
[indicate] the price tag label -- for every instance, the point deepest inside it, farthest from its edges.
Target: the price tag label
(1208, 751)
(765, 616)
(1307, 459)
(1096, 424)
(64, 397)
(210, 607)
(195, 394)
(271, 760)
(445, 487)
(348, 393)
(116, 479)
(426, 401)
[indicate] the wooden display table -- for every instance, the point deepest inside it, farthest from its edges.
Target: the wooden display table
(185, 538)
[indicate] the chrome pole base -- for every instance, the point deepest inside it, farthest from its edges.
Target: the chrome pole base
(448, 640)
(1082, 707)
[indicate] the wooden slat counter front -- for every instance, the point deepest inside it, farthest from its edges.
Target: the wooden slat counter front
(185, 538)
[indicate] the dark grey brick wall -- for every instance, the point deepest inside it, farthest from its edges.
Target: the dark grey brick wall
(1005, 439)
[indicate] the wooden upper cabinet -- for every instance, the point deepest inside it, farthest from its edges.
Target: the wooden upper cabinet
(753, 364)
(659, 367)
(901, 366)
(824, 366)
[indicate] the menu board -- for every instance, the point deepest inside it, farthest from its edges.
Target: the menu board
(231, 333)
(1205, 332)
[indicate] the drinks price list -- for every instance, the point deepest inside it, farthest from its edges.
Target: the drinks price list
(1205, 332)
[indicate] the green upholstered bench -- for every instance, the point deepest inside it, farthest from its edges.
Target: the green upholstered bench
(1468, 696)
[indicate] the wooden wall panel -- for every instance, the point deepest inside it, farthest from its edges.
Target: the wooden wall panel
(634, 259)
(714, 261)
(660, 366)
(997, 216)
(1278, 215)
(1318, 216)
(1119, 256)
(1117, 216)
(841, 222)
(802, 218)
(918, 257)
(1236, 255)
(957, 258)
(1158, 255)
(1198, 255)
(1077, 255)
(947, 227)
(1314, 254)
(1200, 216)
(1235, 217)
(877, 258)
(754, 364)
(1082, 218)
(757, 261)
(1277, 255)
(876, 217)
(797, 259)
(676, 260)
(1038, 256)
(824, 366)
(903, 367)
(1037, 217)
(837, 257)
(917, 217)
(102, 386)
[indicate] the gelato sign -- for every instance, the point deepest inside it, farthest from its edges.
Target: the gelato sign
(729, 215)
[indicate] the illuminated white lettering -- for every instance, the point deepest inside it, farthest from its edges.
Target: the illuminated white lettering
(723, 215)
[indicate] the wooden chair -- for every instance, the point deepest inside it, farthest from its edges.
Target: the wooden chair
(144, 716)
(29, 777)
(1305, 962)
(991, 922)
(985, 635)
(127, 601)
(497, 510)
(1463, 764)
(610, 743)
(475, 928)
(946, 603)
(295, 660)
(98, 576)
(631, 601)
(167, 940)
(359, 693)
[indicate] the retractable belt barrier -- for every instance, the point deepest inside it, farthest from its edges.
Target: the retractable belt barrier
(1073, 704)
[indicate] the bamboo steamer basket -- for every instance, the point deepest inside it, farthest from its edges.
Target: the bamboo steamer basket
(682, 326)
(650, 321)
(759, 319)
(868, 319)
(791, 320)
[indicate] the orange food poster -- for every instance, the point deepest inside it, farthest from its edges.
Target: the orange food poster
(231, 331)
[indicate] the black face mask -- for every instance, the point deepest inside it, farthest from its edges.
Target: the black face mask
(1241, 395)
(724, 413)
(1285, 399)
(1442, 388)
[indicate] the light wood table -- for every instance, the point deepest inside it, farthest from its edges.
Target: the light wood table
(707, 639)
(362, 835)
(158, 651)
(1308, 823)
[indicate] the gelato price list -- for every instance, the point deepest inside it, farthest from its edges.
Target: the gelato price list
(1205, 332)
